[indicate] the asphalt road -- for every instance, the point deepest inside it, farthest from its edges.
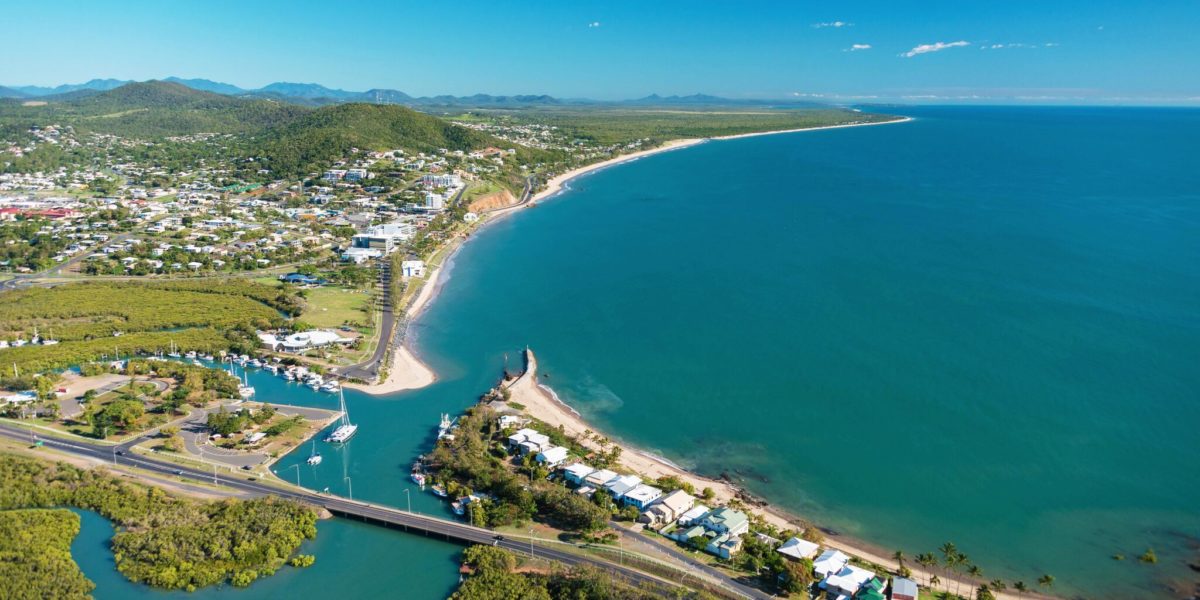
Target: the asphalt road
(383, 515)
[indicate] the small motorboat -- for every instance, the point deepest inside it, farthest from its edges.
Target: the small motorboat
(439, 491)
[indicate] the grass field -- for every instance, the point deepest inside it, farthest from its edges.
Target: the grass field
(335, 306)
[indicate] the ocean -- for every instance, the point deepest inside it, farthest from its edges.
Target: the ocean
(980, 326)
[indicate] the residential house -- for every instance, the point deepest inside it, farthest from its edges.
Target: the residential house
(797, 549)
(830, 561)
(726, 520)
(641, 496)
(600, 478)
(724, 545)
(553, 456)
(668, 508)
(846, 581)
(527, 440)
(692, 516)
(622, 484)
(904, 589)
(577, 472)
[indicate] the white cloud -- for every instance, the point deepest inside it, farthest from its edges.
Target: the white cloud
(1016, 45)
(593, 24)
(832, 24)
(935, 47)
(857, 47)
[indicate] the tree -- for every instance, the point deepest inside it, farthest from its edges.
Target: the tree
(1020, 587)
(984, 593)
(899, 558)
(797, 577)
(1046, 581)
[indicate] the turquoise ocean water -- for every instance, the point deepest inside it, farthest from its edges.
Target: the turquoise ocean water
(980, 326)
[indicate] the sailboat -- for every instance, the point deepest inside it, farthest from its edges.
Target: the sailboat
(246, 391)
(345, 430)
(174, 353)
(314, 458)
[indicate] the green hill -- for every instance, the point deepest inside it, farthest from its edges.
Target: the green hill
(160, 108)
(329, 133)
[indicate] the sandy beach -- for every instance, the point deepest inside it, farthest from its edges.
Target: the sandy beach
(407, 372)
(542, 403)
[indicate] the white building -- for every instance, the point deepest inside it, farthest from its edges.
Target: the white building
(412, 268)
(299, 342)
(577, 472)
(641, 496)
(796, 549)
(830, 561)
(384, 238)
(552, 456)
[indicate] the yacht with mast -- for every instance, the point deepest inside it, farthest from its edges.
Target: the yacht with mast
(345, 429)
(314, 458)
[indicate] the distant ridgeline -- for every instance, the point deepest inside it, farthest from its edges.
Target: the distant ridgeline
(289, 139)
(91, 320)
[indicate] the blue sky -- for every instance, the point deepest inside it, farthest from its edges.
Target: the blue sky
(1035, 51)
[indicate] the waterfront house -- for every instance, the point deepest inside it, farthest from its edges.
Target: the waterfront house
(724, 545)
(904, 589)
(553, 456)
(692, 516)
(726, 520)
(846, 581)
(577, 472)
(641, 496)
(871, 590)
(797, 549)
(830, 561)
(599, 479)
(668, 508)
(527, 440)
(622, 484)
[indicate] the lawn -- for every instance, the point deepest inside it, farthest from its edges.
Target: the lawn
(334, 306)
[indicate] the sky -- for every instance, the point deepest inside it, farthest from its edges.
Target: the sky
(1099, 51)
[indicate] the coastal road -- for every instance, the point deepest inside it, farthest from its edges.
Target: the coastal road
(369, 369)
(381, 515)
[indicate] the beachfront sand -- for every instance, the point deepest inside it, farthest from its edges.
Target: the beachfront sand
(541, 403)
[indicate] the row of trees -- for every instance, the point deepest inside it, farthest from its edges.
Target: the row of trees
(957, 566)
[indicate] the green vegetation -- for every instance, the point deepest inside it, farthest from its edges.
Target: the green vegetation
(110, 319)
(162, 540)
(35, 556)
(328, 134)
(334, 307)
(495, 575)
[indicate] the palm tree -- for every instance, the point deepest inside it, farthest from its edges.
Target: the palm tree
(1046, 581)
(934, 580)
(1020, 587)
(899, 556)
(998, 585)
(949, 558)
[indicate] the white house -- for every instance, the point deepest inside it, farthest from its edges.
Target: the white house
(577, 472)
(622, 484)
(552, 456)
(412, 268)
(528, 440)
(692, 516)
(796, 549)
(599, 479)
(641, 496)
(846, 580)
(830, 561)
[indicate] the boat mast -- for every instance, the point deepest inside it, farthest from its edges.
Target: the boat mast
(342, 405)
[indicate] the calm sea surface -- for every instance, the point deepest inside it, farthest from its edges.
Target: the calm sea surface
(982, 326)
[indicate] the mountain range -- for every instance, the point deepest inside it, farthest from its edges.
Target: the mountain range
(313, 94)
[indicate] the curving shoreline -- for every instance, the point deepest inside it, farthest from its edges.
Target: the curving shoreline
(409, 372)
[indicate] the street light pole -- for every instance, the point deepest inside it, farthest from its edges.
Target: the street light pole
(350, 484)
(531, 542)
(297, 467)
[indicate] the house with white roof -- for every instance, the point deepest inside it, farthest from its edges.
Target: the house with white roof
(831, 561)
(622, 484)
(528, 440)
(797, 549)
(412, 268)
(600, 478)
(577, 472)
(846, 581)
(904, 589)
(692, 515)
(641, 496)
(553, 456)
